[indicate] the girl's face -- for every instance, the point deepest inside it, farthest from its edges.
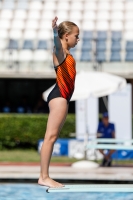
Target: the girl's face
(73, 38)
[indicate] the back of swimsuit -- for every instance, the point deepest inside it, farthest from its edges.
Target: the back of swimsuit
(65, 79)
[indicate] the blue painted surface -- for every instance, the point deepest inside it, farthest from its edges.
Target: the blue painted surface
(35, 192)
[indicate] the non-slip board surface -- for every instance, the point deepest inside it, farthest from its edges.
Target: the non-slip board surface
(94, 188)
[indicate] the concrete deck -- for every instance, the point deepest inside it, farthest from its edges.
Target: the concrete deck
(67, 173)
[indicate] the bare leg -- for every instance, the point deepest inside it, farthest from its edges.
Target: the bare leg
(110, 153)
(102, 152)
(108, 156)
(58, 112)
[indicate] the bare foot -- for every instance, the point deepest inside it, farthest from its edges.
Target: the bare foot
(49, 183)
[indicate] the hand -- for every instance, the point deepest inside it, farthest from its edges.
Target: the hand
(54, 25)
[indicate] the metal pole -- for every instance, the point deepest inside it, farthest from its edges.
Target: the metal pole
(87, 130)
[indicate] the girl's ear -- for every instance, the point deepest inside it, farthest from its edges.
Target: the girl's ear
(66, 37)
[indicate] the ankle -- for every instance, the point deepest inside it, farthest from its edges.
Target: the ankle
(44, 176)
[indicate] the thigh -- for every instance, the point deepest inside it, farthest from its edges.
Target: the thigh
(58, 112)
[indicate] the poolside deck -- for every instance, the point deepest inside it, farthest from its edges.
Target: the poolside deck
(31, 172)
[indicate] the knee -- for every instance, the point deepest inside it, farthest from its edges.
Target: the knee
(51, 137)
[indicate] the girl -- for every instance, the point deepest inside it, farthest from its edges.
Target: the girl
(65, 37)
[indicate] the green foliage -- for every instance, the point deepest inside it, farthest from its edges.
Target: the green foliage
(24, 130)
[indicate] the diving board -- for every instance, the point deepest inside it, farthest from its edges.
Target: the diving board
(110, 140)
(94, 188)
(109, 146)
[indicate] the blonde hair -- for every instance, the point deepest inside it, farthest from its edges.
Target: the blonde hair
(65, 27)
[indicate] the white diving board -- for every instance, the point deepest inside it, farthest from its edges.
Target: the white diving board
(110, 140)
(109, 146)
(94, 188)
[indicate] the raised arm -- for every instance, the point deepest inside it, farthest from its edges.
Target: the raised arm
(57, 42)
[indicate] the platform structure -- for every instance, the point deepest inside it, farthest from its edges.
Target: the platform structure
(94, 188)
(111, 143)
(30, 173)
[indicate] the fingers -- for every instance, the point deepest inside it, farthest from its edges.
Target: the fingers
(55, 19)
(54, 22)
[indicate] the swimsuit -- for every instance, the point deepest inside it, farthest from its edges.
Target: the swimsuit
(65, 79)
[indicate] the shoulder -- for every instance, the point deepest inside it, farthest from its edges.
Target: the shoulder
(111, 125)
(100, 124)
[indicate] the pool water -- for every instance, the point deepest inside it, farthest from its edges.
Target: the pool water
(35, 192)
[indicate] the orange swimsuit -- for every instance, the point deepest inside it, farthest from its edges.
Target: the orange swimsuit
(65, 79)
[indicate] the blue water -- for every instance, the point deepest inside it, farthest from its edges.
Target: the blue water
(35, 192)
